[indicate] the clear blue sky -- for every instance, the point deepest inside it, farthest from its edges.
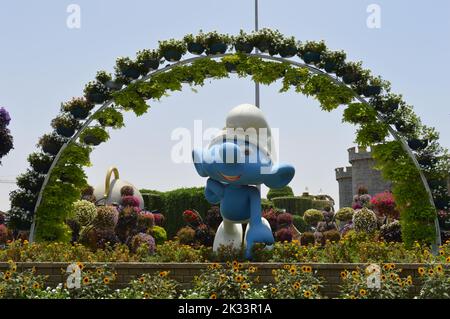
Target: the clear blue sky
(43, 63)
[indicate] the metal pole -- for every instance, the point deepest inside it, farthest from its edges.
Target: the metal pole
(257, 51)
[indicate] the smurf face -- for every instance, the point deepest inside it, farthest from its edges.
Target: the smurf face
(236, 163)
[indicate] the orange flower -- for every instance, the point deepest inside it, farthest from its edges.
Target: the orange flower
(213, 296)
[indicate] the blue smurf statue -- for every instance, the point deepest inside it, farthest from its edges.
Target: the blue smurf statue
(237, 161)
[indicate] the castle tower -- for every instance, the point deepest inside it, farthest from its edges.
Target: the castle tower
(364, 174)
(344, 178)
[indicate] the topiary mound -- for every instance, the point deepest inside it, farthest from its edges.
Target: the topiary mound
(365, 220)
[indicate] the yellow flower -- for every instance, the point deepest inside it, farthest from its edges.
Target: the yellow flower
(99, 271)
(431, 271)
(106, 280)
(223, 278)
(239, 278)
(213, 296)
(13, 268)
(448, 259)
(23, 288)
(274, 272)
(6, 277)
(441, 252)
(393, 276)
(344, 274)
(421, 271)
(383, 277)
(142, 280)
(228, 264)
(36, 285)
(399, 280)
(286, 267)
(244, 286)
(386, 266)
(293, 271)
(252, 269)
(362, 292)
(146, 295)
(33, 270)
(296, 285)
(235, 269)
(354, 273)
(439, 268)
(409, 281)
(235, 264)
(86, 280)
(274, 290)
(307, 294)
(215, 265)
(163, 273)
(80, 265)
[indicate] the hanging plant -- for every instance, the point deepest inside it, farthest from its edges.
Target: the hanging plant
(23, 199)
(332, 61)
(172, 49)
(40, 162)
(267, 40)
(243, 42)
(372, 87)
(65, 125)
(96, 92)
(79, 108)
(94, 136)
(51, 143)
(417, 144)
(386, 105)
(127, 68)
(353, 72)
(30, 181)
(106, 79)
(195, 44)
(311, 52)
(110, 117)
(6, 140)
(287, 47)
(148, 60)
(216, 43)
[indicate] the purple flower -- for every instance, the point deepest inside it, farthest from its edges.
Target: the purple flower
(4, 117)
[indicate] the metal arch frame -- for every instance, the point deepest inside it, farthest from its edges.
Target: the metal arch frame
(312, 69)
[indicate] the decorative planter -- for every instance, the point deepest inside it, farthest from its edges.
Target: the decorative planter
(52, 148)
(131, 72)
(42, 167)
(386, 107)
(96, 97)
(311, 57)
(426, 160)
(92, 140)
(288, 52)
(416, 144)
(371, 90)
(113, 85)
(217, 48)
(263, 46)
(195, 48)
(152, 64)
(440, 203)
(330, 66)
(80, 113)
(231, 67)
(243, 47)
(65, 131)
(351, 77)
(172, 55)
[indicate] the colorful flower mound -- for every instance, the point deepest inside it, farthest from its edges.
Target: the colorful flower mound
(132, 201)
(345, 214)
(191, 217)
(84, 212)
(145, 220)
(313, 216)
(284, 234)
(142, 239)
(159, 219)
(384, 204)
(365, 220)
(6, 140)
(107, 217)
(361, 201)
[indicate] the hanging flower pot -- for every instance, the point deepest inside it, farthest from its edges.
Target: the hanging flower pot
(65, 125)
(23, 199)
(96, 92)
(333, 61)
(231, 67)
(79, 108)
(273, 50)
(287, 48)
(266, 40)
(114, 85)
(172, 50)
(94, 136)
(217, 48)
(40, 162)
(127, 68)
(385, 106)
(148, 60)
(330, 66)
(352, 73)
(371, 90)
(311, 52)
(51, 143)
(311, 57)
(195, 48)
(426, 160)
(243, 47)
(417, 144)
(30, 181)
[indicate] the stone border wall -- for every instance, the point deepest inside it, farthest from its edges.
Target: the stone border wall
(184, 272)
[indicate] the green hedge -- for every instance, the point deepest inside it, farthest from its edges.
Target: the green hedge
(279, 192)
(299, 204)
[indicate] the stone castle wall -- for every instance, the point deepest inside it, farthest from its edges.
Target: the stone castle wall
(361, 173)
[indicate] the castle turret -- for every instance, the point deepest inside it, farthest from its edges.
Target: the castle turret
(364, 173)
(344, 178)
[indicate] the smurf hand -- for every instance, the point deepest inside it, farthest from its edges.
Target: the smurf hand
(259, 233)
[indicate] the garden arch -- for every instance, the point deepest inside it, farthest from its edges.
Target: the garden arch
(144, 80)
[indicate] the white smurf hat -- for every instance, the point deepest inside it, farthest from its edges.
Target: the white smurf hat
(246, 122)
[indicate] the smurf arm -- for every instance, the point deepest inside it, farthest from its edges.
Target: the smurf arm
(214, 191)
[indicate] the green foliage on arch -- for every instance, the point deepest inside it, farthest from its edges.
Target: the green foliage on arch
(140, 85)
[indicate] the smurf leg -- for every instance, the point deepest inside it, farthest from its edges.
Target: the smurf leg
(227, 234)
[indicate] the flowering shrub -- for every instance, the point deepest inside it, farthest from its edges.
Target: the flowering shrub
(293, 282)
(5, 234)
(192, 217)
(159, 219)
(213, 217)
(19, 285)
(345, 214)
(107, 217)
(172, 251)
(392, 231)
(147, 286)
(84, 212)
(95, 283)
(141, 239)
(234, 281)
(313, 216)
(284, 234)
(131, 200)
(186, 235)
(435, 282)
(126, 191)
(365, 220)
(284, 220)
(361, 201)
(159, 234)
(384, 205)
(145, 220)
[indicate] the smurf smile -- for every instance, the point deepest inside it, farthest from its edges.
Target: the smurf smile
(231, 178)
